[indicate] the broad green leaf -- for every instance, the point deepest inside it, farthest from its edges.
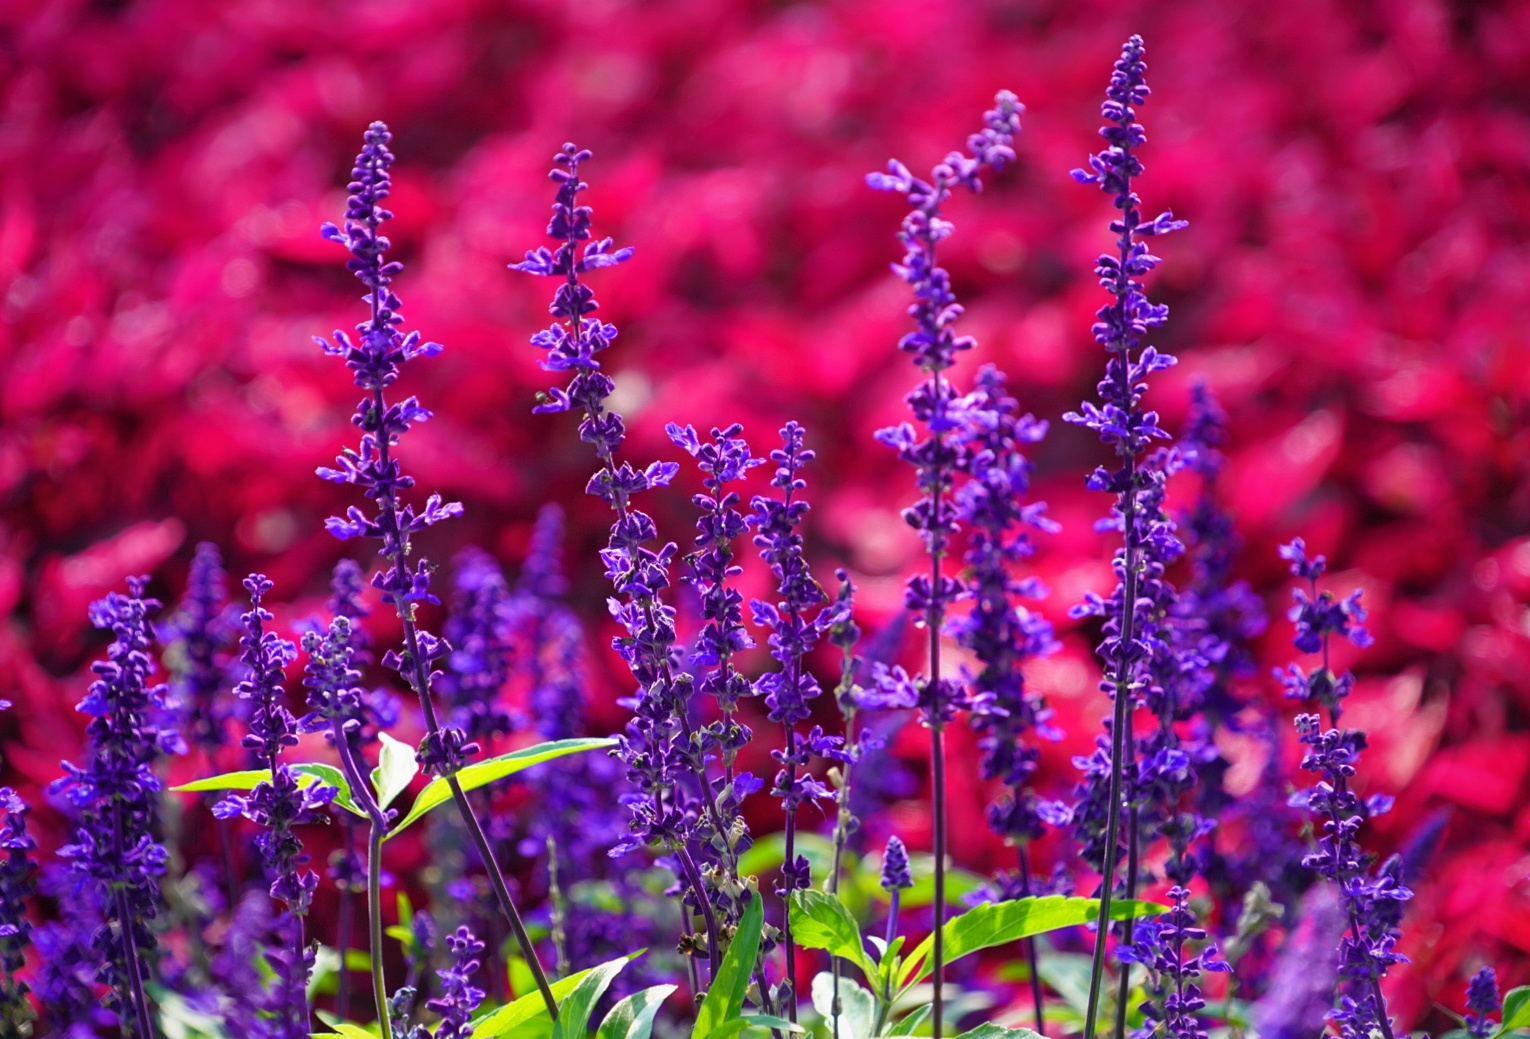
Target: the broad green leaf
(738, 1024)
(248, 779)
(725, 997)
(857, 1007)
(1516, 1011)
(346, 1029)
(480, 773)
(395, 768)
(632, 1018)
(911, 1024)
(990, 924)
(574, 1012)
(526, 1018)
(820, 922)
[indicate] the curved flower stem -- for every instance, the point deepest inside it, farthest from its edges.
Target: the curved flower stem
(144, 1026)
(937, 760)
(693, 876)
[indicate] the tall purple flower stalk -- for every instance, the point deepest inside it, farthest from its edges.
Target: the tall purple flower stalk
(479, 663)
(795, 621)
(1482, 1002)
(1372, 901)
(16, 845)
(459, 996)
(1129, 429)
(114, 793)
(280, 803)
(658, 746)
(1000, 632)
(935, 404)
(375, 358)
(199, 635)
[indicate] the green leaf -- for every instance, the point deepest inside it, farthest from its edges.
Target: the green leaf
(989, 1030)
(632, 1018)
(316, 772)
(989, 924)
(743, 1021)
(526, 1018)
(1516, 1011)
(857, 1007)
(396, 766)
(574, 1012)
(914, 1021)
(725, 998)
(438, 790)
(346, 1029)
(820, 922)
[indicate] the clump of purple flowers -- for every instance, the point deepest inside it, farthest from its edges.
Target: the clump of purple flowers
(16, 845)
(1372, 902)
(115, 795)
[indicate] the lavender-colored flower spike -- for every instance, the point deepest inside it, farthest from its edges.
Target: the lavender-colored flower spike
(1319, 615)
(479, 663)
(895, 871)
(375, 359)
(1482, 1002)
(202, 632)
(459, 997)
(16, 845)
(115, 795)
(1126, 427)
(1372, 902)
(934, 345)
(280, 803)
(658, 747)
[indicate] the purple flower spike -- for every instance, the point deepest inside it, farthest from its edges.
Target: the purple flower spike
(203, 630)
(459, 997)
(16, 845)
(1482, 1002)
(895, 871)
(115, 793)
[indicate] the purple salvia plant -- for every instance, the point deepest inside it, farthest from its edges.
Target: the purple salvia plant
(895, 878)
(479, 664)
(198, 638)
(1371, 902)
(16, 847)
(934, 345)
(657, 746)
(1482, 1002)
(795, 622)
(1000, 632)
(278, 804)
(1129, 429)
(114, 793)
(375, 358)
(459, 998)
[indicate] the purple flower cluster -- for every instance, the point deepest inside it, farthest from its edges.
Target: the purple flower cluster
(1372, 902)
(1001, 633)
(935, 403)
(197, 639)
(115, 793)
(1482, 1002)
(374, 358)
(15, 884)
(1173, 996)
(459, 997)
(1317, 616)
(478, 630)
(278, 804)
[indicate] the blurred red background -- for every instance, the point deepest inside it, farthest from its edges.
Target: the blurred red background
(1355, 285)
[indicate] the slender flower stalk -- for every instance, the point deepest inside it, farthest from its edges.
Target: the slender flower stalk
(16, 845)
(375, 358)
(1482, 1002)
(659, 746)
(280, 803)
(1129, 429)
(934, 345)
(1372, 902)
(115, 794)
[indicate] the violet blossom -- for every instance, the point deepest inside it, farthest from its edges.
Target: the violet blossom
(16, 845)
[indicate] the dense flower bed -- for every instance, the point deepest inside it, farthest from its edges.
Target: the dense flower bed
(1353, 289)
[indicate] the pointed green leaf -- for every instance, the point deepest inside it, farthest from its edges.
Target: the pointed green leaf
(820, 922)
(989, 924)
(738, 1024)
(989, 1030)
(438, 790)
(1516, 1011)
(632, 1018)
(857, 1007)
(395, 768)
(248, 779)
(526, 1018)
(725, 998)
(574, 1012)
(347, 1030)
